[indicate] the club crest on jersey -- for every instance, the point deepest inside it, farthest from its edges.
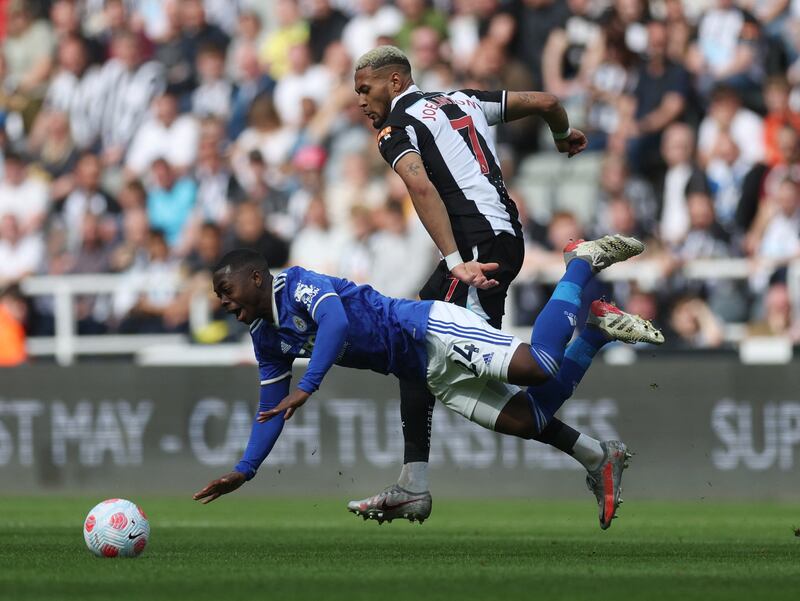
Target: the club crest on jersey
(299, 323)
(487, 358)
(305, 293)
(385, 134)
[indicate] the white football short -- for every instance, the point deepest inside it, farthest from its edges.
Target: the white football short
(468, 363)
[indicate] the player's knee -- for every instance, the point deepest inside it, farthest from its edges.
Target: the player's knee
(524, 370)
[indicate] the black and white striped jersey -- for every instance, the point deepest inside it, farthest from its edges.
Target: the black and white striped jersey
(450, 131)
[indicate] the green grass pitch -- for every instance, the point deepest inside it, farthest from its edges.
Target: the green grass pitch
(259, 548)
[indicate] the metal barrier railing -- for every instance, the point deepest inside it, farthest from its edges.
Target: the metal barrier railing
(66, 344)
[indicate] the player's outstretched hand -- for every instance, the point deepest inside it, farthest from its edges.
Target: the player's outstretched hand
(473, 274)
(574, 144)
(220, 486)
(289, 404)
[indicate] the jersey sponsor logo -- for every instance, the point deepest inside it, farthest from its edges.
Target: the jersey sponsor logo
(299, 323)
(305, 293)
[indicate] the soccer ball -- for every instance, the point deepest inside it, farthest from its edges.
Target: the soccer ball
(116, 527)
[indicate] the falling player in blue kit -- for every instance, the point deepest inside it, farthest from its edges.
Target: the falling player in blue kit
(469, 366)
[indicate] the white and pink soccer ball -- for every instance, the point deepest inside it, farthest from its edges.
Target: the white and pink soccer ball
(116, 528)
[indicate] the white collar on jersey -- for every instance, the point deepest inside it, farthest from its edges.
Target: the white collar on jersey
(274, 307)
(409, 90)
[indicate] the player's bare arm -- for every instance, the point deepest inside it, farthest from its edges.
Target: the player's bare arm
(547, 106)
(434, 217)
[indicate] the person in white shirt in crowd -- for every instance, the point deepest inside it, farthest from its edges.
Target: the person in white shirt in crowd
(726, 113)
(354, 187)
(249, 36)
(303, 80)
(20, 254)
(774, 239)
(212, 98)
(373, 20)
(682, 177)
(166, 134)
(403, 255)
(317, 246)
(160, 306)
(726, 172)
(23, 195)
(267, 134)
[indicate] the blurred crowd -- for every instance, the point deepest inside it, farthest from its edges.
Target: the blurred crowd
(148, 137)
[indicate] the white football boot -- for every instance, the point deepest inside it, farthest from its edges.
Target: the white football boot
(603, 252)
(394, 502)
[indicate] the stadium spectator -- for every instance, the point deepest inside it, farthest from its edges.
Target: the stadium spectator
(20, 254)
(212, 98)
(725, 172)
(250, 231)
(122, 94)
(682, 177)
(774, 238)
(251, 83)
(266, 134)
(402, 254)
(616, 181)
(565, 62)
(430, 71)
(303, 80)
(777, 315)
(197, 33)
(317, 244)
(779, 114)
(613, 75)
(168, 135)
(86, 198)
(67, 92)
(170, 52)
(131, 252)
(693, 325)
(13, 317)
(248, 37)
(374, 19)
(325, 26)
(727, 50)
(54, 152)
(292, 29)
(536, 19)
(726, 114)
(160, 307)
(658, 98)
(27, 52)
(762, 180)
(170, 201)
(23, 195)
(418, 13)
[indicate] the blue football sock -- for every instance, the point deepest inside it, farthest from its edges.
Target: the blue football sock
(556, 322)
(547, 398)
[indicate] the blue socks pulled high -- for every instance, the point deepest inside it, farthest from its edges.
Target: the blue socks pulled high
(547, 398)
(556, 322)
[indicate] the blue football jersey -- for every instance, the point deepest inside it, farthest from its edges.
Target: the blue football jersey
(385, 335)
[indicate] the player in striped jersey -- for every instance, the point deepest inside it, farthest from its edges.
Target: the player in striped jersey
(441, 146)
(471, 367)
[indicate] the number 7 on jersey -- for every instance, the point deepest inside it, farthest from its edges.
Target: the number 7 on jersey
(471, 139)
